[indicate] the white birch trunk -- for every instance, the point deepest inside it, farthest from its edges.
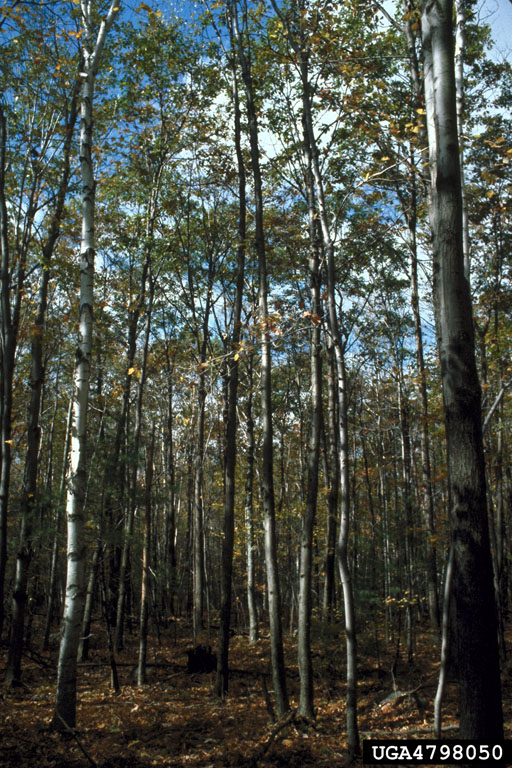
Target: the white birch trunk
(65, 704)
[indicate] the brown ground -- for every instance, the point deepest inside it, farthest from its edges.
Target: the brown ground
(176, 721)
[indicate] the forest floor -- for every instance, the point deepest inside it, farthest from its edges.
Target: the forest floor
(175, 720)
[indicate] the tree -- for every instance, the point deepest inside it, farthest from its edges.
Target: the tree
(475, 608)
(232, 376)
(65, 704)
(30, 484)
(267, 470)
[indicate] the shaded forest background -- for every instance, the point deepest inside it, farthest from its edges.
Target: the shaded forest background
(190, 336)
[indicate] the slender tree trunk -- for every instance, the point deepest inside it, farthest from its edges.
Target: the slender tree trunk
(481, 715)
(170, 473)
(124, 576)
(339, 354)
(306, 700)
(198, 580)
(29, 489)
(343, 563)
(221, 681)
(52, 588)
(408, 541)
(135, 312)
(146, 565)
(7, 352)
(333, 483)
(267, 462)
(249, 514)
(426, 470)
(65, 704)
(83, 647)
(445, 650)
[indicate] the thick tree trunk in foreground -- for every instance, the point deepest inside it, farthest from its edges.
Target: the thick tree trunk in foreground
(65, 704)
(481, 714)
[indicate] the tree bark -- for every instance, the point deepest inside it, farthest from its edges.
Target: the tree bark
(7, 353)
(306, 696)
(29, 488)
(267, 462)
(249, 513)
(146, 565)
(221, 681)
(481, 715)
(339, 355)
(52, 587)
(65, 704)
(333, 483)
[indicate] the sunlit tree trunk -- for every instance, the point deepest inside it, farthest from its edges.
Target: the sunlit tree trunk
(332, 477)
(29, 489)
(460, 44)
(65, 704)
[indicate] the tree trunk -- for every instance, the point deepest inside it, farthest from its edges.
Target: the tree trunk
(124, 576)
(221, 681)
(426, 469)
(267, 469)
(29, 489)
(342, 552)
(7, 352)
(333, 325)
(52, 588)
(333, 483)
(65, 704)
(249, 512)
(306, 697)
(481, 715)
(146, 566)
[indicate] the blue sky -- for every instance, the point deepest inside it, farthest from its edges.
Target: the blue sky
(498, 14)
